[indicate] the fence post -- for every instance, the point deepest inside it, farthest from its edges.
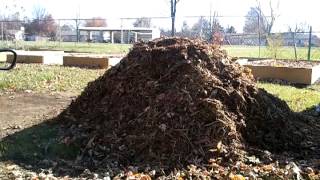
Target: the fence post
(2, 33)
(59, 33)
(294, 44)
(121, 26)
(309, 48)
(259, 32)
(77, 29)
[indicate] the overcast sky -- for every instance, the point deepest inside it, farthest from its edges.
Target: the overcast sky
(290, 11)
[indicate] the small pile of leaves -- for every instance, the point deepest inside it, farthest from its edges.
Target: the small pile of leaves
(172, 102)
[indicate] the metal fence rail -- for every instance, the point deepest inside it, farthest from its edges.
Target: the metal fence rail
(209, 28)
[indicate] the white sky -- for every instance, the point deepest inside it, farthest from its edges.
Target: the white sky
(290, 11)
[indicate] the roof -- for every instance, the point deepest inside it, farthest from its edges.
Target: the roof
(116, 28)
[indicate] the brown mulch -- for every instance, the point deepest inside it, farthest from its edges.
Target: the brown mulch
(173, 102)
(286, 63)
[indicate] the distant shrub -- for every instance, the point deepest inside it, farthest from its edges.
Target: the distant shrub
(274, 43)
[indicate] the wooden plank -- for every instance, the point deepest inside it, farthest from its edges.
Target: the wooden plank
(86, 61)
(3, 57)
(26, 58)
(294, 75)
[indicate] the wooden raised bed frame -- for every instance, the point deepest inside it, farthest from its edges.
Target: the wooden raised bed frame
(299, 75)
(26, 58)
(85, 61)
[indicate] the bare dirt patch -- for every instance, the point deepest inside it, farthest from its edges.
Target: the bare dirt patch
(23, 110)
(28, 140)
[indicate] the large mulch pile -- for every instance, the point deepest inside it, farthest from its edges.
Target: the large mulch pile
(173, 102)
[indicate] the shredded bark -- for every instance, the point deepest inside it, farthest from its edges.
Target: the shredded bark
(172, 102)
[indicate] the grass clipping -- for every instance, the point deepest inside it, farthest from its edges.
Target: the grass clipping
(175, 101)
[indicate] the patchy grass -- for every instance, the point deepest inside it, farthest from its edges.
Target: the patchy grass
(4, 64)
(298, 99)
(44, 78)
(315, 87)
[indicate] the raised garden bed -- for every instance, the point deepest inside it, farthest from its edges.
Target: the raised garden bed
(41, 57)
(86, 60)
(26, 58)
(300, 72)
(3, 57)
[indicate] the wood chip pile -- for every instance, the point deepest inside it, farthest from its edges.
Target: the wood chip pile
(173, 102)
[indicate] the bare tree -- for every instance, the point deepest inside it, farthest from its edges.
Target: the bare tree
(275, 42)
(216, 27)
(185, 30)
(258, 22)
(42, 23)
(206, 29)
(67, 28)
(39, 12)
(302, 27)
(293, 35)
(299, 28)
(11, 17)
(231, 30)
(273, 15)
(173, 15)
(96, 22)
(11, 11)
(142, 22)
(254, 23)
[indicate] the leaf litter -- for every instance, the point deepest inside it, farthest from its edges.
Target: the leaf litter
(183, 108)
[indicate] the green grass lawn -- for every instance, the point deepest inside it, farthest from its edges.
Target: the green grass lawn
(42, 78)
(298, 99)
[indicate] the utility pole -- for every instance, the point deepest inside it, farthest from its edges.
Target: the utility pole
(59, 32)
(173, 15)
(78, 23)
(77, 29)
(121, 35)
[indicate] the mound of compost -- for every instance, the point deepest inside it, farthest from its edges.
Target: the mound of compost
(175, 101)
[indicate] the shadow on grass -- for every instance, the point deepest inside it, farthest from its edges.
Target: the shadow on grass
(284, 83)
(311, 111)
(39, 147)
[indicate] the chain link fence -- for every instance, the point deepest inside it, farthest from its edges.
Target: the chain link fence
(18, 34)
